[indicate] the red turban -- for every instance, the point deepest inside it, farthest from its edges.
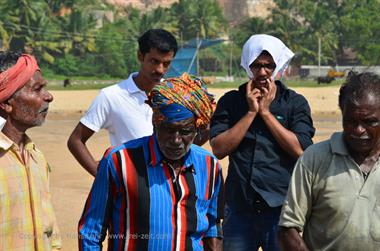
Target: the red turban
(17, 76)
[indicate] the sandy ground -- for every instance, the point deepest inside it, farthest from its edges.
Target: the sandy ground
(70, 184)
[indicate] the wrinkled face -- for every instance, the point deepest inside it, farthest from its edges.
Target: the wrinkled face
(154, 65)
(30, 104)
(361, 125)
(174, 139)
(262, 69)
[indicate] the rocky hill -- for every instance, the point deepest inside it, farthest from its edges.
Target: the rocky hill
(235, 10)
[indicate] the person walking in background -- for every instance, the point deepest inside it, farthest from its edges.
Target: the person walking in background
(121, 108)
(27, 219)
(159, 192)
(334, 193)
(263, 127)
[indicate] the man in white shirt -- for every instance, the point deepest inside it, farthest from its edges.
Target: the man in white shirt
(121, 108)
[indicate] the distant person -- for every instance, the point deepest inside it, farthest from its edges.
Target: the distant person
(121, 108)
(66, 82)
(27, 220)
(159, 192)
(263, 127)
(334, 193)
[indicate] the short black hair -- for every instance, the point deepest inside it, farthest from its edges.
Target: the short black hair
(356, 86)
(8, 59)
(160, 39)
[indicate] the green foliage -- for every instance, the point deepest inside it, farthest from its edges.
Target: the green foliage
(338, 24)
(74, 44)
(199, 18)
(67, 65)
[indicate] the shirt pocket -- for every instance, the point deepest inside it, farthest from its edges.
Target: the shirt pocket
(375, 222)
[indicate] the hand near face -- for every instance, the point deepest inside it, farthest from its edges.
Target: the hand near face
(268, 94)
(253, 97)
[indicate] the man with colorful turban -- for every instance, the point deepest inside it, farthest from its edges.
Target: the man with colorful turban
(27, 220)
(159, 192)
(263, 127)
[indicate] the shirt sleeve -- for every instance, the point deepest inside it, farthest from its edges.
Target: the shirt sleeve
(95, 217)
(220, 120)
(298, 202)
(301, 122)
(215, 229)
(97, 115)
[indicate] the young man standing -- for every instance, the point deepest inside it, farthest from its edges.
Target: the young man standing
(121, 108)
(263, 127)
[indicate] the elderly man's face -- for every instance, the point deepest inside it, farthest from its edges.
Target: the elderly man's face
(174, 139)
(361, 125)
(262, 69)
(30, 104)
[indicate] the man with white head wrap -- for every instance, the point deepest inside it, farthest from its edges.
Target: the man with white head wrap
(263, 127)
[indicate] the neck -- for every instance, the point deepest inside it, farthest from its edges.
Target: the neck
(142, 83)
(175, 164)
(14, 133)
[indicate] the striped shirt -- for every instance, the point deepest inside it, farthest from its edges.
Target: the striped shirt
(144, 206)
(27, 220)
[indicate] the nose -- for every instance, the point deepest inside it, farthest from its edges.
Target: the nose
(359, 129)
(262, 71)
(48, 97)
(176, 138)
(160, 69)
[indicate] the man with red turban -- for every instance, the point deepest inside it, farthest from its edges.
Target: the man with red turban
(27, 220)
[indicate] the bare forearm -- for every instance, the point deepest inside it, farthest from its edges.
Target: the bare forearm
(81, 153)
(77, 146)
(284, 137)
(291, 240)
(226, 142)
(213, 244)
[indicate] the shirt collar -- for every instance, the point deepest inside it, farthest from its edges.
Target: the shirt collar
(155, 156)
(6, 143)
(337, 144)
(131, 85)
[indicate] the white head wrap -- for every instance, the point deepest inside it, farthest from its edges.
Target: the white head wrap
(256, 44)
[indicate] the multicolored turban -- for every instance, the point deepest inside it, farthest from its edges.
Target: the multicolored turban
(17, 76)
(181, 98)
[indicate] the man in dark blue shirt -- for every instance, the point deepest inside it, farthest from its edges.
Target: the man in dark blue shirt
(263, 127)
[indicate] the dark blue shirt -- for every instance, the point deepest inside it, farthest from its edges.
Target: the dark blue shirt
(259, 164)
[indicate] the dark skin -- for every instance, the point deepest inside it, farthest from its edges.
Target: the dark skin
(361, 133)
(261, 91)
(27, 108)
(174, 140)
(361, 128)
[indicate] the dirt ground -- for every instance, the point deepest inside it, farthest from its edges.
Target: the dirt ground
(70, 184)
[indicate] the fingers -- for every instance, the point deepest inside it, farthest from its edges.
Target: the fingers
(249, 86)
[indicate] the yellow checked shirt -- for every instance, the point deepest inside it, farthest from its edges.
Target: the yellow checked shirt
(27, 219)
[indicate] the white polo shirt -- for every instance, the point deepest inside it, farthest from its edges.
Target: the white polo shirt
(122, 111)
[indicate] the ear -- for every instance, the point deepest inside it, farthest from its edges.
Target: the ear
(140, 56)
(6, 107)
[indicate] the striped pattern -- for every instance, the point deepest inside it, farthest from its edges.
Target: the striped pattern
(145, 207)
(27, 219)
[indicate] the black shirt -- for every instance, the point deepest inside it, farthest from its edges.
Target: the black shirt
(259, 164)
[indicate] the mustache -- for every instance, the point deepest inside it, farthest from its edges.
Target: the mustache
(360, 137)
(44, 108)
